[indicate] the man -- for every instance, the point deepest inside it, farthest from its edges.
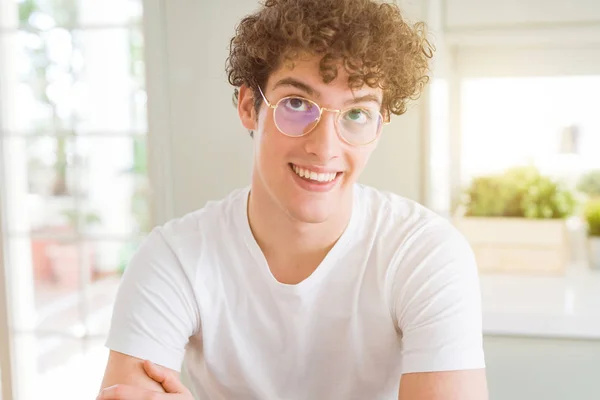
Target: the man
(306, 285)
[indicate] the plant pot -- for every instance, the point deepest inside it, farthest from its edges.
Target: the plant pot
(517, 245)
(594, 252)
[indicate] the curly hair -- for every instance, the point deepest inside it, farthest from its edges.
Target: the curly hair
(371, 40)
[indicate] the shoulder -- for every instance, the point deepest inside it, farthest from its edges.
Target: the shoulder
(397, 218)
(217, 218)
(414, 237)
(210, 217)
(192, 234)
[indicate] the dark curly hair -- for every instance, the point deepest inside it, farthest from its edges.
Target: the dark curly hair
(372, 41)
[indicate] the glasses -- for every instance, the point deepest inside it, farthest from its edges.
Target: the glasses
(296, 116)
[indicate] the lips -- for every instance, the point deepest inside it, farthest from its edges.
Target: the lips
(316, 179)
(321, 177)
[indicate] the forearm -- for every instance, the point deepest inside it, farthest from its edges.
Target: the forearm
(125, 370)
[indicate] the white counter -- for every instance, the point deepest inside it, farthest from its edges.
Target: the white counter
(543, 306)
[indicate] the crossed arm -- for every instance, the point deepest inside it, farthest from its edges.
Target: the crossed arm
(129, 378)
(447, 385)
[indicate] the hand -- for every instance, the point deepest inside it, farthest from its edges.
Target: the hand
(173, 387)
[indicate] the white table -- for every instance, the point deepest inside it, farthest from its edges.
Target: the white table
(543, 306)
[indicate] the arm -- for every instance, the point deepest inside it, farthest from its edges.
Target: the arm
(126, 370)
(438, 310)
(129, 378)
(154, 316)
(446, 385)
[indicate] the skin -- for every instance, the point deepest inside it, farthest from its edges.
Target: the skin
(134, 379)
(295, 227)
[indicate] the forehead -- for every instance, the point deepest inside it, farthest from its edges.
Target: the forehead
(306, 70)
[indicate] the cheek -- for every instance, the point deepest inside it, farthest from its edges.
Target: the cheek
(271, 147)
(263, 137)
(357, 158)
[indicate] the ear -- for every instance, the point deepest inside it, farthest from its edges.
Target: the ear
(246, 108)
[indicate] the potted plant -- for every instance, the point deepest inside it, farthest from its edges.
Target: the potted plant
(589, 184)
(516, 221)
(592, 217)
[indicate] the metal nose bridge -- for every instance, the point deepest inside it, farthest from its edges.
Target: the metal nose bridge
(318, 121)
(330, 110)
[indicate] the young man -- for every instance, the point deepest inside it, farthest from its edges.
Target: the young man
(306, 285)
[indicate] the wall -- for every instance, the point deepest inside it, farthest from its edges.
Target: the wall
(520, 368)
(203, 151)
(511, 13)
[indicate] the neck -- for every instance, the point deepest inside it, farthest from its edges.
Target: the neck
(279, 234)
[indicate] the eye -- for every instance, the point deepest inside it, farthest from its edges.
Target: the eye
(297, 104)
(357, 115)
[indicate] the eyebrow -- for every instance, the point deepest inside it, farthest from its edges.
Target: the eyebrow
(366, 98)
(298, 85)
(312, 92)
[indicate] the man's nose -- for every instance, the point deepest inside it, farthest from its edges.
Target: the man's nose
(324, 141)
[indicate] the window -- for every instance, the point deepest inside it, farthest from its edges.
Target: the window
(73, 154)
(550, 122)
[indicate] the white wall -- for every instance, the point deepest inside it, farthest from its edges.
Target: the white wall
(521, 23)
(520, 368)
(486, 13)
(208, 151)
(506, 61)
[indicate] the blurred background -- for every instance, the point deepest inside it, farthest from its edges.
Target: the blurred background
(116, 116)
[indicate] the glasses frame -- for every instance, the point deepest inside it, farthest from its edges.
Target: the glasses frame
(321, 109)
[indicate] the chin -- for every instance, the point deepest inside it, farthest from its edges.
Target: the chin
(310, 213)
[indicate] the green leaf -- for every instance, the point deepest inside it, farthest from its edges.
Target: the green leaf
(519, 192)
(592, 217)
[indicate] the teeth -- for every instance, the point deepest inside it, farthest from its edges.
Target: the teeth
(314, 176)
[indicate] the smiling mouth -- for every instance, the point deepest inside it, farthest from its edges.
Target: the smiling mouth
(313, 176)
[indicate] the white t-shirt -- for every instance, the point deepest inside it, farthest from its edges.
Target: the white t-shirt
(398, 293)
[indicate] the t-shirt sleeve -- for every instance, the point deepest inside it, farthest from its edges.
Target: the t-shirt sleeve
(438, 303)
(155, 311)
